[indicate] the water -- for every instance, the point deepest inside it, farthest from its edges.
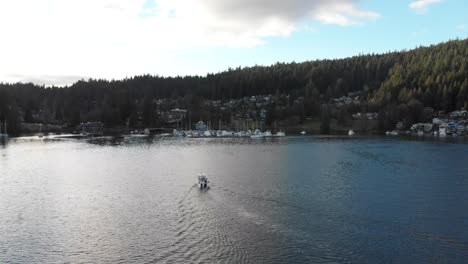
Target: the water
(291, 200)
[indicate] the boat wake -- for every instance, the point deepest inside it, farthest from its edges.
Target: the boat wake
(200, 235)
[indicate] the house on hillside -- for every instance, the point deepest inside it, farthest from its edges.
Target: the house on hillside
(92, 128)
(201, 126)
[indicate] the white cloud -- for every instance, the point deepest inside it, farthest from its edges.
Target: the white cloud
(461, 27)
(55, 40)
(343, 14)
(421, 5)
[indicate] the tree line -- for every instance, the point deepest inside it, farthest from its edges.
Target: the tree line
(395, 84)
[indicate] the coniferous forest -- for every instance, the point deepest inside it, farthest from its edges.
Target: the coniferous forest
(396, 85)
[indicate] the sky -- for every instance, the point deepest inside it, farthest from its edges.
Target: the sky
(57, 42)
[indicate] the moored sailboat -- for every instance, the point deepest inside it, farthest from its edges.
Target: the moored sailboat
(40, 135)
(3, 134)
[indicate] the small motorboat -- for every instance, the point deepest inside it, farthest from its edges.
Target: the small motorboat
(202, 181)
(303, 132)
(350, 133)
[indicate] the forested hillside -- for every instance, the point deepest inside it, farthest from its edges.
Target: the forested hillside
(437, 76)
(397, 85)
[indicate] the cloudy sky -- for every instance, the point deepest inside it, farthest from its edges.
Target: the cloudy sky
(61, 41)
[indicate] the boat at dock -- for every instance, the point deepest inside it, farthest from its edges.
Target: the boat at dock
(257, 135)
(240, 134)
(224, 133)
(207, 133)
(350, 133)
(280, 134)
(442, 132)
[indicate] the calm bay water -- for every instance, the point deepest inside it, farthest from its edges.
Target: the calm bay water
(291, 200)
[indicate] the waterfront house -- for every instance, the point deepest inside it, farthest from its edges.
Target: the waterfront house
(428, 113)
(462, 114)
(92, 128)
(452, 127)
(426, 127)
(400, 126)
(439, 121)
(201, 126)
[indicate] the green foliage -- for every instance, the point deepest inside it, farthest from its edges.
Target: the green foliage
(324, 119)
(397, 84)
(433, 75)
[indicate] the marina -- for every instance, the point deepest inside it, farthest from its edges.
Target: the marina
(256, 134)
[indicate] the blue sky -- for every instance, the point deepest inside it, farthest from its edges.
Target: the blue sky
(398, 28)
(58, 42)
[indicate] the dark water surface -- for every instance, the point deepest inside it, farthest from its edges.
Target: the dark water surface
(292, 200)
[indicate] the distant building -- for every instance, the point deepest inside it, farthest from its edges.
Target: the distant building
(92, 128)
(201, 126)
(426, 127)
(263, 114)
(354, 94)
(459, 114)
(452, 127)
(441, 113)
(428, 113)
(400, 126)
(178, 113)
(369, 116)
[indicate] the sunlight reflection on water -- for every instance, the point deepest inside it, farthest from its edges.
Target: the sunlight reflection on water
(290, 200)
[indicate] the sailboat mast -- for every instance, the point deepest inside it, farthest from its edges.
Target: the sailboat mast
(190, 121)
